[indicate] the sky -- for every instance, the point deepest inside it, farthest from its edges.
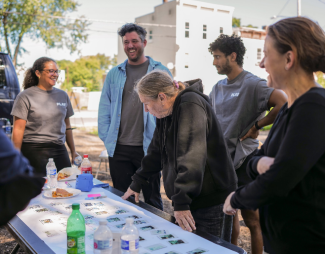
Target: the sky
(255, 12)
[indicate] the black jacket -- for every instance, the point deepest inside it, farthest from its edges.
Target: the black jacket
(190, 148)
(291, 194)
(18, 185)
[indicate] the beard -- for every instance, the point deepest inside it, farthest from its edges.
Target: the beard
(225, 69)
(138, 55)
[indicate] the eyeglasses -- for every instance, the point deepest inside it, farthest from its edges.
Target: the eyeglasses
(51, 71)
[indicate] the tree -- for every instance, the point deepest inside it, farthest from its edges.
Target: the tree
(251, 26)
(320, 78)
(40, 19)
(235, 22)
(86, 71)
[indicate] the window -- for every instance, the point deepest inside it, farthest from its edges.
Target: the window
(223, 11)
(190, 6)
(221, 30)
(207, 9)
(204, 35)
(187, 33)
(259, 54)
(186, 66)
(204, 28)
(150, 35)
(153, 17)
(2, 74)
(170, 12)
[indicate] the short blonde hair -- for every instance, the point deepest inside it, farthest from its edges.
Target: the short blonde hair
(157, 82)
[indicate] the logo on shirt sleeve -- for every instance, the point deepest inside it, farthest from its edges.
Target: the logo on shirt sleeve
(62, 104)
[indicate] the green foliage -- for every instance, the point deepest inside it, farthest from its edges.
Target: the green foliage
(320, 78)
(235, 22)
(86, 71)
(251, 26)
(34, 19)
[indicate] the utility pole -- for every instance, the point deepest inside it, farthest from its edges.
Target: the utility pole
(299, 8)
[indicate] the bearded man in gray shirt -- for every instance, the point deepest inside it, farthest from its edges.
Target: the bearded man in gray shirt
(240, 102)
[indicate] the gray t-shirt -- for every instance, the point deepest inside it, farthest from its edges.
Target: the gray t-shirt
(238, 103)
(45, 112)
(132, 125)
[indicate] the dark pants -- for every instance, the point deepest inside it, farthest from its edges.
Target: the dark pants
(123, 165)
(243, 177)
(38, 155)
(214, 221)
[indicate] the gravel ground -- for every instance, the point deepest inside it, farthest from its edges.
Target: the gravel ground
(90, 144)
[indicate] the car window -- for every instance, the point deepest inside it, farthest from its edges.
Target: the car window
(2, 74)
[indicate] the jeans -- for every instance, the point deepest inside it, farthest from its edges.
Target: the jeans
(38, 155)
(214, 221)
(123, 165)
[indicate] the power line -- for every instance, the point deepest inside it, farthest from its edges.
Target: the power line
(283, 7)
(85, 19)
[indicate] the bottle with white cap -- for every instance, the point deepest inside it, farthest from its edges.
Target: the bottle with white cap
(129, 238)
(103, 239)
(51, 174)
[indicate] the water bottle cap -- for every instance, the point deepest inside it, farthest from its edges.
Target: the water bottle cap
(129, 220)
(50, 159)
(103, 222)
(75, 206)
(85, 155)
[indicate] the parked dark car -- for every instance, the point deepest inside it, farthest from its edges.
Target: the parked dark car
(9, 88)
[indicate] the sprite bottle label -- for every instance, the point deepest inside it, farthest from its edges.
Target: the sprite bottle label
(76, 244)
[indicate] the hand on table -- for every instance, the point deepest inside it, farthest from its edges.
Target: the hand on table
(227, 208)
(130, 192)
(264, 164)
(185, 220)
(252, 133)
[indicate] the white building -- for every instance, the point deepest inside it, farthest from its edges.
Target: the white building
(192, 27)
(253, 40)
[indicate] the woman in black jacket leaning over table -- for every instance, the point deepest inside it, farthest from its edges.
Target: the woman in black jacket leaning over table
(289, 170)
(189, 147)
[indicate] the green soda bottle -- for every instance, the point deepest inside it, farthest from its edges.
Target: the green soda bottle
(76, 230)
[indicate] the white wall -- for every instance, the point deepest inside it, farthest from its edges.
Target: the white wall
(251, 63)
(193, 51)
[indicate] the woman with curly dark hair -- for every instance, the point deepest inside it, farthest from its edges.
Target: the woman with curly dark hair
(289, 169)
(41, 118)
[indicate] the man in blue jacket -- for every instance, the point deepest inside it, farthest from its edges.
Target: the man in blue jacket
(123, 125)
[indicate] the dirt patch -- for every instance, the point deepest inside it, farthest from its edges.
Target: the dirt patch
(90, 144)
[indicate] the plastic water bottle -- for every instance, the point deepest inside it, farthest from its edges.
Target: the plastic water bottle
(51, 174)
(77, 161)
(86, 167)
(129, 238)
(8, 129)
(103, 239)
(76, 230)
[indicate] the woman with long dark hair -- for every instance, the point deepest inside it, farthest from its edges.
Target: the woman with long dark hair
(41, 118)
(289, 169)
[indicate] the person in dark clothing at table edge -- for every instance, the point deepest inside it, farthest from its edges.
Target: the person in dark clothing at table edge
(289, 169)
(189, 147)
(18, 185)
